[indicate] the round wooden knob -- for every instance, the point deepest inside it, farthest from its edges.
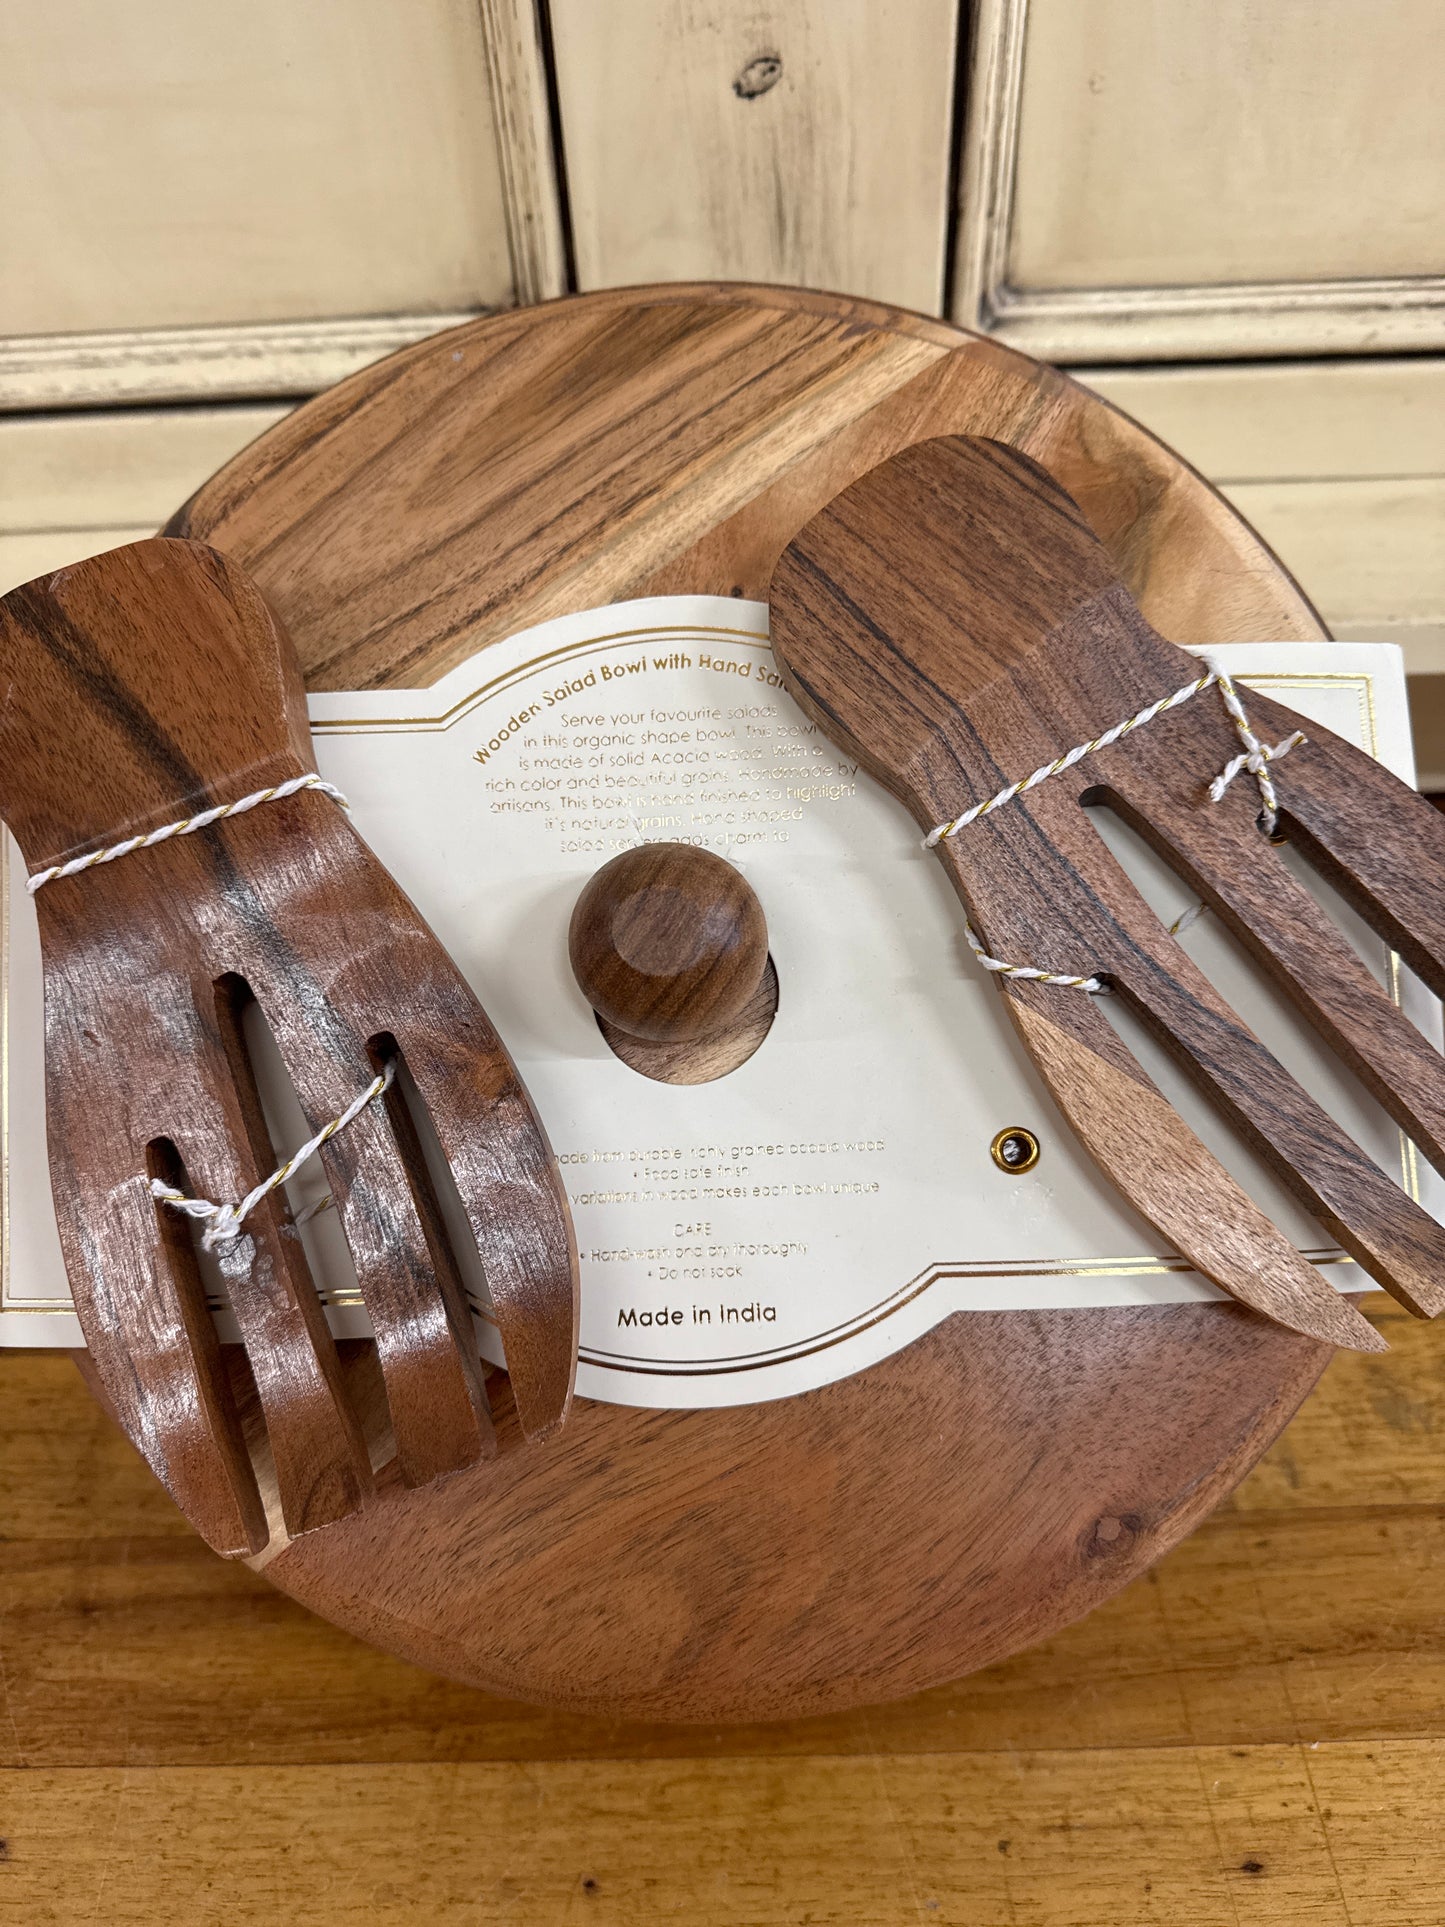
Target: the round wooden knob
(668, 942)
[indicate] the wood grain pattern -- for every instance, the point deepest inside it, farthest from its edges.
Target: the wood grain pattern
(853, 1544)
(953, 622)
(699, 1060)
(145, 687)
(668, 942)
(792, 140)
(1285, 1835)
(1306, 1608)
(669, 945)
(665, 441)
(160, 1708)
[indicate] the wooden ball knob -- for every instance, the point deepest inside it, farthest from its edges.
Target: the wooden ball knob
(668, 942)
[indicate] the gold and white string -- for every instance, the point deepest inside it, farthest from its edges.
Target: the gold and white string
(223, 1221)
(1255, 757)
(187, 826)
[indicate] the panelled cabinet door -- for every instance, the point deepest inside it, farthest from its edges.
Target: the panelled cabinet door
(1164, 178)
(256, 199)
(208, 204)
(799, 141)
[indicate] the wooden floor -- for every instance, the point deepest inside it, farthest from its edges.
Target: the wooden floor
(1253, 1733)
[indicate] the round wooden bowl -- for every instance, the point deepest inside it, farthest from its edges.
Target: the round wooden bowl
(1008, 1471)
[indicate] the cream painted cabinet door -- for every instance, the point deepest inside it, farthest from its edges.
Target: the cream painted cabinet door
(805, 141)
(202, 199)
(1176, 178)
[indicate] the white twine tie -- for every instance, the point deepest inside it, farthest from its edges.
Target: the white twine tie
(223, 1221)
(187, 826)
(1256, 757)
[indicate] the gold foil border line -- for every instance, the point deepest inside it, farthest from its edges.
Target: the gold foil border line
(906, 1294)
(507, 678)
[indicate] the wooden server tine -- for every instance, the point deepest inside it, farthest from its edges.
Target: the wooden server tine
(1375, 840)
(953, 621)
(145, 688)
(1292, 937)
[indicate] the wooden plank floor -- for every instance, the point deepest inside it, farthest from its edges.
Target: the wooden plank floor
(1253, 1733)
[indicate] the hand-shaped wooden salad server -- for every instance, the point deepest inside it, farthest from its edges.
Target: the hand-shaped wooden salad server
(142, 690)
(952, 620)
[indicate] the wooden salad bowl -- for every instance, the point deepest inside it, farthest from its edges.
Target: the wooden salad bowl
(1008, 1471)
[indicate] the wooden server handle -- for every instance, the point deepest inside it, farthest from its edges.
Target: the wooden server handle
(668, 942)
(144, 688)
(141, 687)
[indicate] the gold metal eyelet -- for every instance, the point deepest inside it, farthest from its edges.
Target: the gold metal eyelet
(1015, 1150)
